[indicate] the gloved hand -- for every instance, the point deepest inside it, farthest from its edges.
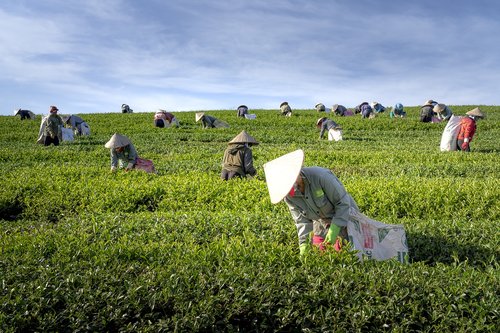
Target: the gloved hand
(332, 237)
(319, 242)
(304, 248)
(332, 234)
(465, 146)
(129, 167)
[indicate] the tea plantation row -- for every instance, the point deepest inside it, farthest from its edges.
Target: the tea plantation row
(82, 249)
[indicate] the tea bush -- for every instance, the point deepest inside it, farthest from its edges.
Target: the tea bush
(82, 249)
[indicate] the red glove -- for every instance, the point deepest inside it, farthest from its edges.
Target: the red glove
(319, 242)
(465, 146)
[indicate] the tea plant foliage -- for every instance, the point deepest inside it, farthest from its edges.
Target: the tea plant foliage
(86, 250)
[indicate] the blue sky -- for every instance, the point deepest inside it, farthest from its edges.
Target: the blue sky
(89, 56)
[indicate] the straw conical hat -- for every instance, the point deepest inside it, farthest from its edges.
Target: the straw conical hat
(429, 102)
(335, 107)
(281, 174)
(476, 112)
(320, 120)
(284, 103)
(244, 137)
(438, 108)
(117, 140)
(198, 116)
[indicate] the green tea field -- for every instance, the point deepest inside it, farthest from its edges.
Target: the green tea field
(86, 250)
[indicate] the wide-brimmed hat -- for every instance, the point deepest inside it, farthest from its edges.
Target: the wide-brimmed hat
(117, 140)
(335, 107)
(438, 108)
(477, 113)
(66, 119)
(243, 106)
(244, 137)
(320, 120)
(198, 116)
(284, 103)
(429, 102)
(53, 108)
(281, 174)
(16, 111)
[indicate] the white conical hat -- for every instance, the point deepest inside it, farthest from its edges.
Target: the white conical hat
(117, 140)
(476, 112)
(438, 108)
(281, 174)
(198, 116)
(244, 137)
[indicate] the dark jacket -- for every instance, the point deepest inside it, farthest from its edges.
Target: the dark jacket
(239, 158)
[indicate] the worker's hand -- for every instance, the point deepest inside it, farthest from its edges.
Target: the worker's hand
(304, 249)
(113, 169)
(319, 242)
(465, 146)
(333, 232)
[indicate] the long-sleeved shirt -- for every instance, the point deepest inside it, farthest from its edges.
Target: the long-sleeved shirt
(467, 128)
(208, 121)
(127, 156)
(340, 110)
(75, 121)
(445, 115)
(239, 158)
(326, 125)
(53, 126)
(324, 198)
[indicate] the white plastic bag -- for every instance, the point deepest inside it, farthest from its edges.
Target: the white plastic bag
(376, 240)
(335, 135)
(450, 133)
(67, 134)
(85, 128)
(250, 116)
(41, 132)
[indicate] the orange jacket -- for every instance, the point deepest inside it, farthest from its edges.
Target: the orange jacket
(467, 128)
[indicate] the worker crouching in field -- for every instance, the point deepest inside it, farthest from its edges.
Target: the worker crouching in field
(329, 126)
(163, 119)
(468, 128)
(25, 114)
(123, 153)
(397, 111)
(320, 107)
(242, 110)
(209, 121)
(317, 200)
(365, 109)
(442, 112)
(238, 158)
(340, 110)
(285, 109)
(77, 124)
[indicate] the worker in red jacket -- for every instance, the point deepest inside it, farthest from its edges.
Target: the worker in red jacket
(468, 128)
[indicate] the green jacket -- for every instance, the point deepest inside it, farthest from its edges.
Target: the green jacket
(239, 158)
(53, 126)
(325, 199)
(127, 156)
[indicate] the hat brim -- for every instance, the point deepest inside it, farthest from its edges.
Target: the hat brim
(116, 141)
(281, 173)
(198, 116)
